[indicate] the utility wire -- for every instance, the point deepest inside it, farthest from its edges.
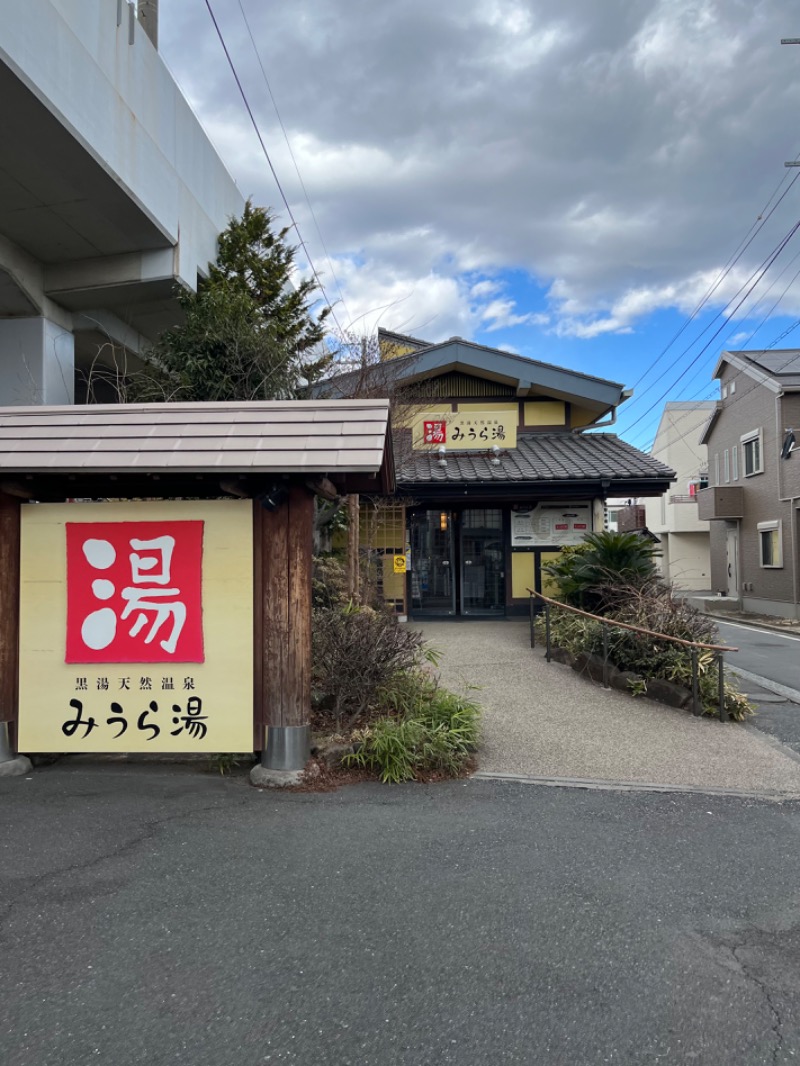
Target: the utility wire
(761, 272)
(766, 316)
(289, 211)
(294, 160)
(747, 287)
(744, 244)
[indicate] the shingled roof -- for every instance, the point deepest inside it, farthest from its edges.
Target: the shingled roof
(345, 440)
(778, 369)
(540, 459)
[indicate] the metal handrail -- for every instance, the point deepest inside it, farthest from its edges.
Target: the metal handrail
(693, 645)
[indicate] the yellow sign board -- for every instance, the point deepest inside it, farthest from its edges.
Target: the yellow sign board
(136, 627)
(466, 430)
(399, 564)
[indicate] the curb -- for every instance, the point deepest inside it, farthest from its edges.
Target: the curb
(745, 621)
(636, 786)
(790, 694)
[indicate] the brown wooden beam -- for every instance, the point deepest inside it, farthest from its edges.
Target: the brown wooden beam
(297, 703)
(282, 639)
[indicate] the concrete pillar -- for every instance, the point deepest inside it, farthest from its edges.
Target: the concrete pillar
(37, 362)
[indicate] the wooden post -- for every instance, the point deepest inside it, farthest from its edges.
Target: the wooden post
(9, 620)
(353, 549)
(282, 676)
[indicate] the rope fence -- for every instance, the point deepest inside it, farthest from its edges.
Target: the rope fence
(694, 646)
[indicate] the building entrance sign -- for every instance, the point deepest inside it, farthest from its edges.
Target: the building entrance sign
(136, 627)
(466, 430)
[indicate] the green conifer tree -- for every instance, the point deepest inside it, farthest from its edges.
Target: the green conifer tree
(249, 332)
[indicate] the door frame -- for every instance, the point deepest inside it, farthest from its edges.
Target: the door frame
(455, 512)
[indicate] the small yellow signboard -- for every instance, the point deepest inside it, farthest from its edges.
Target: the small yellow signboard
(399, 564)
(466, 430)
(136, 627)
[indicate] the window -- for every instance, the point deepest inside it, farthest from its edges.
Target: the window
(716, 469)
(726, 463)
(751, 453)
(732, 388)
(735, 464)
(770, 544)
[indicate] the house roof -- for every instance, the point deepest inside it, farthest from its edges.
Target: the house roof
(491, 363)
(710, 422)
(778, 369)
(540, 460)
(331, 437)
(402, 339)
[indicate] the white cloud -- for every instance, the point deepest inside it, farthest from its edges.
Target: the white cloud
(616, 153)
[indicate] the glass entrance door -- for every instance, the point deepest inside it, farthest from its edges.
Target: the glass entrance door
(433, 573)
(483, 580)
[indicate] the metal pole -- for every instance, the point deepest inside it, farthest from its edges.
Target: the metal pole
(723, 714)
(605, 655)
(533, 625)
(696, 708)
(547, 631)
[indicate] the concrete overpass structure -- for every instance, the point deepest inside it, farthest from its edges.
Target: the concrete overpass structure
(110, 193)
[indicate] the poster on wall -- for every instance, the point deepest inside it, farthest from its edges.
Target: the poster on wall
(136, 627)
(551, 524)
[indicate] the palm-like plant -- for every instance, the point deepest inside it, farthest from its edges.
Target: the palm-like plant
(588, 574)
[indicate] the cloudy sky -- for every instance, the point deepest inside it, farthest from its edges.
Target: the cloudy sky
(567, 179)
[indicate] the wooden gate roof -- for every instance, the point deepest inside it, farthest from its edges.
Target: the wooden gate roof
(347, 441)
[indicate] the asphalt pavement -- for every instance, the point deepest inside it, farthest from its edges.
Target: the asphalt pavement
(161, 915)
(767, 653)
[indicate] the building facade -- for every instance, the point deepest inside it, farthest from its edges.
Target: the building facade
(753, 498)
(685, 559)
(498, 469)
(111, 195)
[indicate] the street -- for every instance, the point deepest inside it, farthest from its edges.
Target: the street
(165, 915)
(765, 652)
(773, 656)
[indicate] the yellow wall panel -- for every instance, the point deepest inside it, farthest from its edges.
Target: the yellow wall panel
(545, 413)
(549, 586)
(521, 574)
(223, 681)
(582, 417)
(393, 584)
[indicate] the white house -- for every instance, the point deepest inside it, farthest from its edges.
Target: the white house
(110, 192)
(685, 551)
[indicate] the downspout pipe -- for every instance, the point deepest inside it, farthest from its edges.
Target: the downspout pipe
(599, 425)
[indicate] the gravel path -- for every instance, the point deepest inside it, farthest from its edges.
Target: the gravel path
(544, 720)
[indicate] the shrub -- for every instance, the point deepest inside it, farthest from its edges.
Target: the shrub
(358, 654)
(439, 736)
(589, 575)
(329, 582)
(652, 607)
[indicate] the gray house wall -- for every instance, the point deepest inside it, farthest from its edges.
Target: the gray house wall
(768, 496)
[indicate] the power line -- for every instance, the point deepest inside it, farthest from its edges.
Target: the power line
(733, 259)
(761, 272)
(294, 160)
(289, 211)
(747, 287)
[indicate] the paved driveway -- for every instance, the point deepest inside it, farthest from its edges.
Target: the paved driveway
(543, 720)
(163, 916)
